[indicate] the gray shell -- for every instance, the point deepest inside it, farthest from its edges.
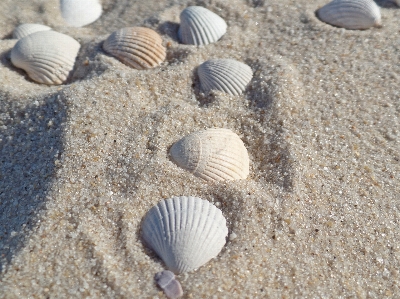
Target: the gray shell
(226, 75)
(351, 14)
(78, 13)
(26, 29)
(47, 56)
(200, 26)
(185, 232)
(171, 287)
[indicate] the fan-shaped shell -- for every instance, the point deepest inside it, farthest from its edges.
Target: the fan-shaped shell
(213, 155)
(171, 287)
(78, 13)
(47, 56)
(26, 29)
(351, 14)
(226, 75)
(186, 232)
(200, 26)
(138, 47)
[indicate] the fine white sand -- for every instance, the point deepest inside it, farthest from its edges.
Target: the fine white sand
(82, 163)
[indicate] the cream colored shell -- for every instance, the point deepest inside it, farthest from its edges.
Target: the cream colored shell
(26, 29)
(213, 155)
(78, 13)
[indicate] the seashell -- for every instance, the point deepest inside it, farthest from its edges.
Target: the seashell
(351, 14)
(26, 29)
(226, 75)
(186, 232)
(171, 287)
(47, 56)
(138, 47)
(78, 13)
(200, 26)
(213, 155)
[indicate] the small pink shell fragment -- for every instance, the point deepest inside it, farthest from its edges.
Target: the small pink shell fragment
(171, 287)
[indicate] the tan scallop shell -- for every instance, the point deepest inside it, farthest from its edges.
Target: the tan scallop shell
(138, 47)
(26, 29)
(213, 154)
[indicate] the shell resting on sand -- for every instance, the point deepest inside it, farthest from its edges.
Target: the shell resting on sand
(351, 14)
(138, 47)
(200, 26)
(78, 13)
(26, 29)
(171, 287)
(47, 56)
(186, 232)
(213, 155)
(226, 75)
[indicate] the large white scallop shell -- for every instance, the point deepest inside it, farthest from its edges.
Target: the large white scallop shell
(26, 29)
(138, 47)
(47, 56)
(200, 26)
(351, 14)
(78, 13)
(213, 155)
(185, 232)
(226, 75)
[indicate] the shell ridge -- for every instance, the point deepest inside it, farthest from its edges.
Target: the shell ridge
(137, 53)
(229, 84)
(199, 31)
(144, 51)
(208, 29)
(215, 162)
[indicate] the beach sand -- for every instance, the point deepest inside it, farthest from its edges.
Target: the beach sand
(82, 163)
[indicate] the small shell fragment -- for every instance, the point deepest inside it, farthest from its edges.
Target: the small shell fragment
(26, 29)
(47, 56)
(171, 287)
(213, 155)
(138, 47)
(78, 13)
(226, 75)
(351, 14)
(200, 26)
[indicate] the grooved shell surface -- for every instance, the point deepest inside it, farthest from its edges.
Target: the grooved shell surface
(78, 13)
(47, 56)
(200, 26)
(351, 14)
(213, 155)
(26, 29)
(138, 47)
(185, 232)
(226, 75)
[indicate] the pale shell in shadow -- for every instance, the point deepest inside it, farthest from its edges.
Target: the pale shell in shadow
(26, 29)
(47, 56)
(137, 47)
(167, 282)
(78, 13)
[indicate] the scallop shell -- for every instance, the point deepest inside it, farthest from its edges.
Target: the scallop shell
(226, 75)
(186, 232)
(138, 47)
(26, 29)
(213, 155)
(351, 14)
(200, 26)
(78, 13)
(47, 56)
(171, 287)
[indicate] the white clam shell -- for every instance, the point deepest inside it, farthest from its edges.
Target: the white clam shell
(78, 13)
(185, 232)
(213, 155)
(171, 287)
(26, 29)
(226, 75)
(351, 14)
(200, 26)
(138, 47)
(47, 56)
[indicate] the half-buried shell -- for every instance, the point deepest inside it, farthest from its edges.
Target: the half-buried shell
(47, 56)
(26, 29)
(171, 287)
(138, 47)
(226, 75)
(78, 13)
(213, 155)
(185, 232)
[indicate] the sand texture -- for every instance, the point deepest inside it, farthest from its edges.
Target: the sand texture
(82, 163)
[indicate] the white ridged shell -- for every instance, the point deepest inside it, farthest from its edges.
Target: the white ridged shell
(78, 13)
(47, 56)
(226, 75)
(213, 155)
(200, 26)
(351, 14)
(185, 232)
(138, 47)
(26, 29)
(171, 287)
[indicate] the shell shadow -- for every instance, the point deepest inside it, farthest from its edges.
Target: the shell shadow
(386, 3)
(31, 143)
(203, 99)
(170, 29)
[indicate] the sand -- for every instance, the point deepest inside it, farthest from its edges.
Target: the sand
(82, 163)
